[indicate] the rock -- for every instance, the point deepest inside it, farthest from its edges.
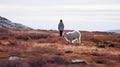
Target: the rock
(59, 60)
(14, 58)
(106, 42)
(100, 61)
(68, 51)
(101, 46)
(111, 45)
(29, 38)
(78, 61)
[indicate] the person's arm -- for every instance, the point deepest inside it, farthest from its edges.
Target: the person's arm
(59, 26)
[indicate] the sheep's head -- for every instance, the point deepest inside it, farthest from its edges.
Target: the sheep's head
(64, 34)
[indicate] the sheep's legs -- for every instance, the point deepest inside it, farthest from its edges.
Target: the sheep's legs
(70, 41)
(79, 41)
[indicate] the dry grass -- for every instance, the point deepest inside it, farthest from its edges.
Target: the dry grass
(46, 49)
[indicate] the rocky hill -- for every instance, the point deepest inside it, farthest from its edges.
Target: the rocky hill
(5, 23)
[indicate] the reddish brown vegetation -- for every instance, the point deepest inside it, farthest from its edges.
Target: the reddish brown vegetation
(44, 48)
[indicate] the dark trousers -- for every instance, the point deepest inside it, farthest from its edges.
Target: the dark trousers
(60, 32)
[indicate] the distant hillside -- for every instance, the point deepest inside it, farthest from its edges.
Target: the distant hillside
(5, 23)
(117, 31)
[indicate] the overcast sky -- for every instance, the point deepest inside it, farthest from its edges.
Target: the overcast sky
(92, 15)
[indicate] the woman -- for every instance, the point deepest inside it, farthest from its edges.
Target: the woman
(61, 27)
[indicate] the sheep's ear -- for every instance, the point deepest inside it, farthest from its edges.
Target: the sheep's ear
(64, 32)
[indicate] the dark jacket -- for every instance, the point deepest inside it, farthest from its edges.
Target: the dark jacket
(61, 26)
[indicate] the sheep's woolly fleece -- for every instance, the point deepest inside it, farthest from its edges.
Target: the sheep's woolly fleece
(71, 36)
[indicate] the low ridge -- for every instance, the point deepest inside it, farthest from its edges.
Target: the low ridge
(5, 23)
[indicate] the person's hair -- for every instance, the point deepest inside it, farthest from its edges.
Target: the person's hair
(61, 20)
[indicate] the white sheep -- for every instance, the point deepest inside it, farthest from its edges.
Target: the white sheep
(71, 36)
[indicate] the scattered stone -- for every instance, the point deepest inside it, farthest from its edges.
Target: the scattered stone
(95, 54)
(78, 61)
(106, 42)
(101, 46)
(28, 38)
(68, 51)
(59, 60)
(14, 58)
(111, 45)
(100, 62)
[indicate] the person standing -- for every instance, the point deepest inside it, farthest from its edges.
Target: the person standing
(61, 27)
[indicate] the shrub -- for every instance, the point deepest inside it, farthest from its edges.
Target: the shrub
(32, 36)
